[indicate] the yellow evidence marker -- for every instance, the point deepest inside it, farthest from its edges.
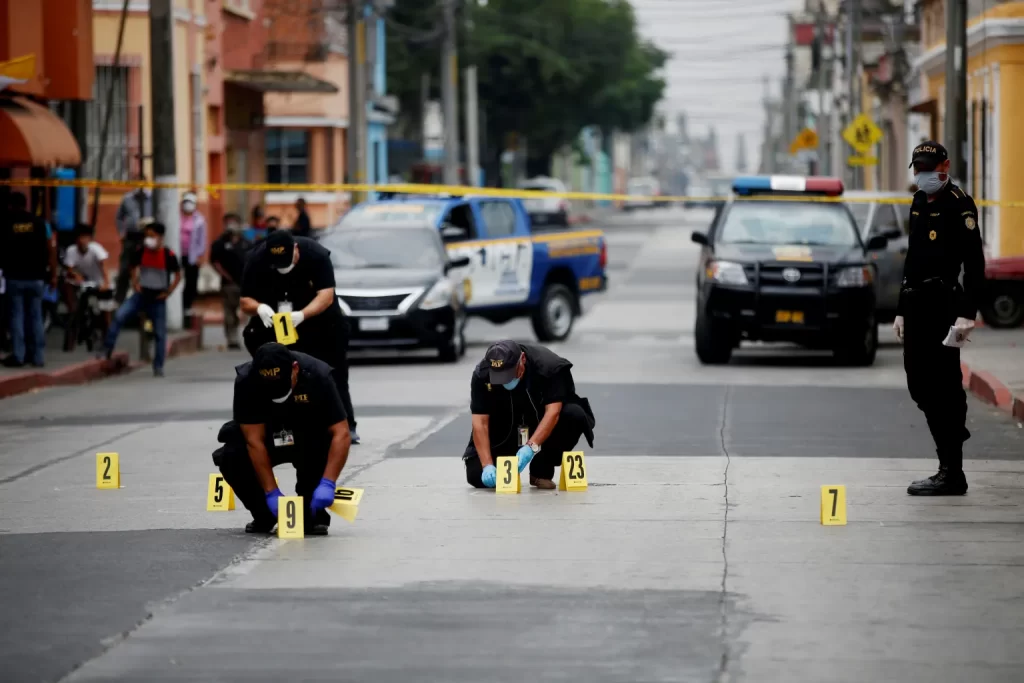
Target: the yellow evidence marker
(833, 505)
(219, 496)
(284, 330)
(346, 502)
(289, 517)
(574, 475)
(508, 475)
(108, 471)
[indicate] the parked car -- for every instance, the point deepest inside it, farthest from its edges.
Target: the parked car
(1004, 300)
(877, 214)
(546, 210)
(643, 189)
(515, 270)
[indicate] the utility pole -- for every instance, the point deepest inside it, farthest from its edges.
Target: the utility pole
(472, 130)
(824, 64)
(165, 200)
(852, 38)
(356, 150)
(450, 95)
(789, 92)
(955, 128)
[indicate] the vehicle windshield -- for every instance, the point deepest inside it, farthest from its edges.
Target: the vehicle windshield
(788, 222)
(860, 211)
(381, 247)
(392, 212)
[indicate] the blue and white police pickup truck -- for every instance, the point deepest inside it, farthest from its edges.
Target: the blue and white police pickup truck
(514, 269)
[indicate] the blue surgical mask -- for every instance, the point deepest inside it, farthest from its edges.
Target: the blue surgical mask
(929, 182)
(511, 385)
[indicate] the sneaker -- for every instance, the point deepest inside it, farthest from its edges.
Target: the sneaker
(158, 372)
(943, 483)
(234, 346)
(355, 437)
(544, 484)
(260, 526)
(317, 530)
(11, 362)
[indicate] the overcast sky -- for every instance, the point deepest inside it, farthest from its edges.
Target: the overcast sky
(721, 50)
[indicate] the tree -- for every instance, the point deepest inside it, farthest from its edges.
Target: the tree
(546, 70)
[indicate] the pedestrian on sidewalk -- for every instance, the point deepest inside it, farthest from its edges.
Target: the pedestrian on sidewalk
(273, 223)
(84, 261)
(28, 258)
(135, 211)
(228, 256)
(155, 273)
(193, 248)
(936, 314)
(257, 230)
(302, 227)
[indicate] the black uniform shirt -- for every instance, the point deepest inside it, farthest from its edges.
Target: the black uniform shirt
(313, 272)
(24, 247)
(312, 408)
(944, 234)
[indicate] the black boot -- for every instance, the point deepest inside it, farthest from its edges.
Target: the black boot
(263, 525)
(945, 482)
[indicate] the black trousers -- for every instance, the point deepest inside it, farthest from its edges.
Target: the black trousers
(130, 243)
(572, 423)
(235, 464)
(191, 291)
(329, 346)
(934, 376)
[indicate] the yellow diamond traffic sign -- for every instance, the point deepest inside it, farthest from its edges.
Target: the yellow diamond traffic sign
(805, 139)
(862, 134)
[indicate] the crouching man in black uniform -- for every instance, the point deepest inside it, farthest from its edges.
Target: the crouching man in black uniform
(523, 389)
(286, 409)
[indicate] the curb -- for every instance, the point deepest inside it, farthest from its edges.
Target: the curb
(989, 389)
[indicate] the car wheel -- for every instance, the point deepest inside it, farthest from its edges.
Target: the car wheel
(554, 317)
(1005, 306)
(862, 350)
(713, 342)
(455, 348)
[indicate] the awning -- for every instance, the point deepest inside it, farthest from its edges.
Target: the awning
(34, 136)
(280, 81)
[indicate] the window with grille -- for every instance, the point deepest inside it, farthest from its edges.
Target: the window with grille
(287, 155)
(120, 155)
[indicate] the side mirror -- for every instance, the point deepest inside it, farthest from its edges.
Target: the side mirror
(893, 234)
(699, 238)
(460, 262)
(450, 232)
(877, 242)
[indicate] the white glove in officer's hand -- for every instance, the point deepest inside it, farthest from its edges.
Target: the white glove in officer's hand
(965, 326)
(297, 318)
(897, 327)
(266, 314)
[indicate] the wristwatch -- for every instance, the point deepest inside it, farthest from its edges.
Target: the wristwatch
(533, 447)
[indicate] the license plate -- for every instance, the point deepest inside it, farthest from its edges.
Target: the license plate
(373, 324)
(793, 317)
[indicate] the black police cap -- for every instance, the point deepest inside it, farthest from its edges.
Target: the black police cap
(503, 358)
(272, 370)
(280, 248)
(928, 155)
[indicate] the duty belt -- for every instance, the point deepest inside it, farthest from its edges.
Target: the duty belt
(932, 285)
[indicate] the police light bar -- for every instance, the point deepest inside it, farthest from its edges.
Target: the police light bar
(787, 184)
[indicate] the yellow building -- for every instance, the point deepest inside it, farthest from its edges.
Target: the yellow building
(995, 91)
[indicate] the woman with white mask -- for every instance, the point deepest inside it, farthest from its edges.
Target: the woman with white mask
(193, 247)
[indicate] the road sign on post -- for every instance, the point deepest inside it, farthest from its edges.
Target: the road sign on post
(805, 139)
(862, 134)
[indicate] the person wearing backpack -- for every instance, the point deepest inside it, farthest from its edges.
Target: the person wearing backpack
(155, 273)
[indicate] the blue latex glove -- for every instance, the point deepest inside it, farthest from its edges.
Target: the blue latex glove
(272, 501)
(323, 496)
(489, 476)
(525, 455)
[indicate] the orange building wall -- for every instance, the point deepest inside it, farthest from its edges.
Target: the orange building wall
(21, 34)
(67, 25)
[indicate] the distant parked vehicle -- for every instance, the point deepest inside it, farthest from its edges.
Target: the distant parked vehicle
(1004, 301)
(643, 189)
(877, 215)
(547, 210)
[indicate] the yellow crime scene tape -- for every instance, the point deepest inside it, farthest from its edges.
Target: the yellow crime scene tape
(215, 189)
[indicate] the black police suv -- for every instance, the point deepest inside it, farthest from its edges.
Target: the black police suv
(776, 267)
(396, 287)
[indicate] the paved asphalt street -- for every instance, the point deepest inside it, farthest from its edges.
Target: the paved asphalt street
(695, 555)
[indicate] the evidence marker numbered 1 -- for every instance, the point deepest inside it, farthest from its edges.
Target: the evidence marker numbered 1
(219, 496)
(290, 522)
(108, 471)
(574, 474)
(284, 330)
(346, 502)
(833, 505)
(508, 475)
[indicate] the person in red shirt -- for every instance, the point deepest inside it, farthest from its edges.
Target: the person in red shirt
(155, 274)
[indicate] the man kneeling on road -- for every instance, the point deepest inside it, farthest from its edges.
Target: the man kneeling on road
(286, 409)
(524, 403)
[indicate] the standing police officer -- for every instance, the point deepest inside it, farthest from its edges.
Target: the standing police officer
(524, 403)
(286, 410)
(935, 308)
(294, 275)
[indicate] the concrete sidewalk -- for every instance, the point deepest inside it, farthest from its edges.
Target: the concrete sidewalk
(994, 368)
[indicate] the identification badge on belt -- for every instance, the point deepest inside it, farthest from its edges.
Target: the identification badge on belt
(284, 307)
(284, 438)
(524, 436)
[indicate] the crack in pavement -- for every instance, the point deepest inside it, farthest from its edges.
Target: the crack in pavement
(723, 607)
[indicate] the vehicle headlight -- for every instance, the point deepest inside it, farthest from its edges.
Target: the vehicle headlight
(726, 272)
(855, 276)
(439, 295)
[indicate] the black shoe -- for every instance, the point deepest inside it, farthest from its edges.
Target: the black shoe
(260, 526)
(158, 373)
(10, 362)
(943, 483)
(234, 347)
(316, 530)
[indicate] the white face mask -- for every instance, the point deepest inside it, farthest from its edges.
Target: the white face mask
(285, 271)
(283, 398)
(188, 207)
(150, 242)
